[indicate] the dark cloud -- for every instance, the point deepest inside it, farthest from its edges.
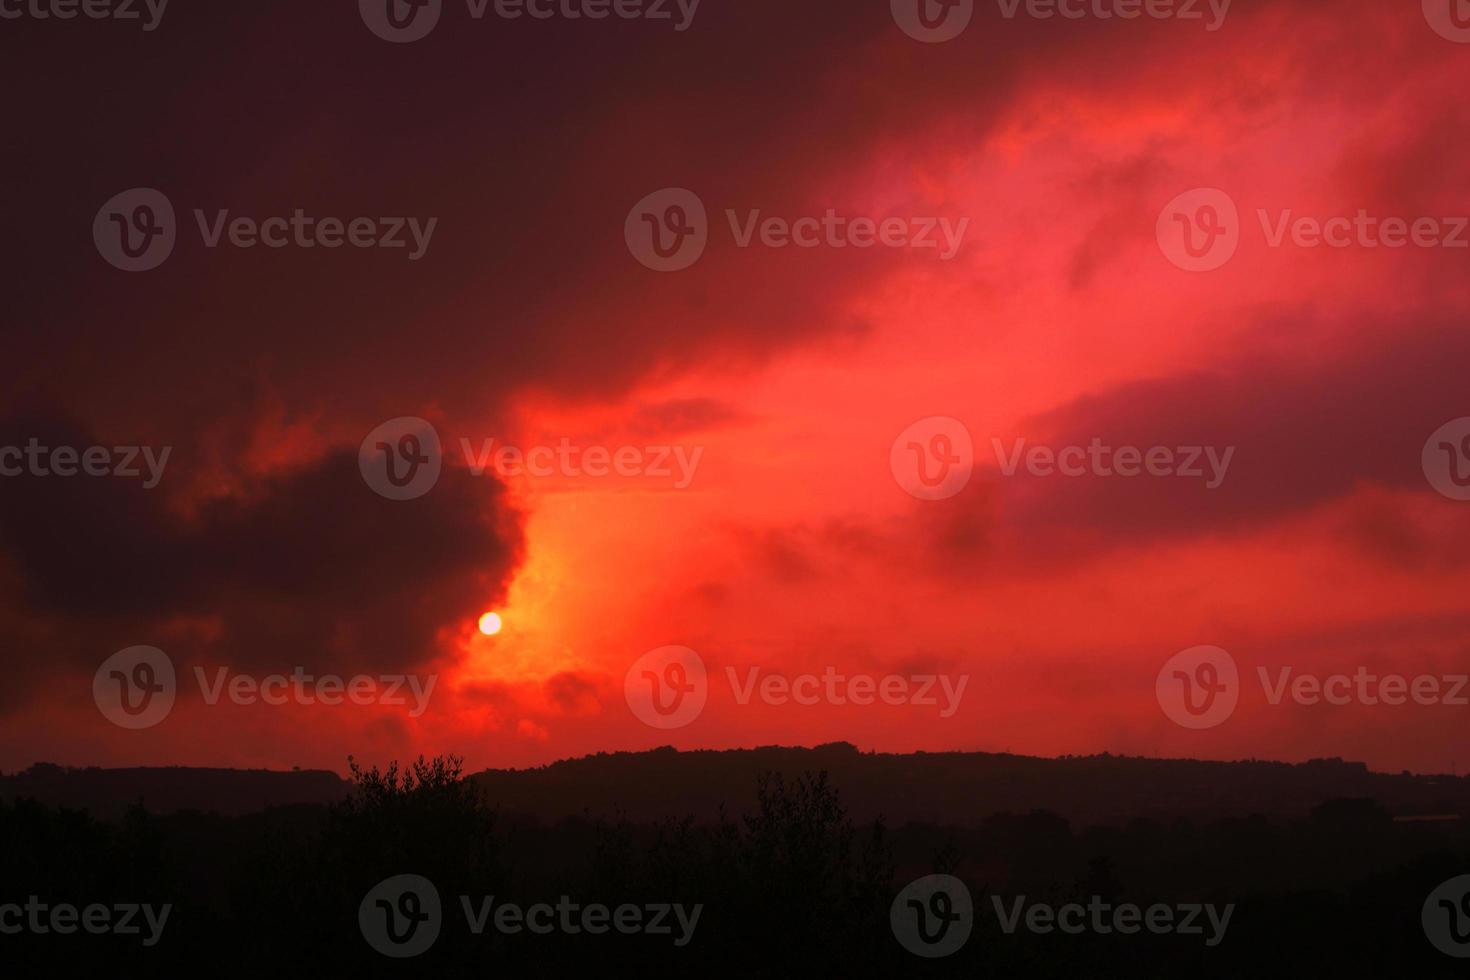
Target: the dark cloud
(504, 131)
(306, 567)
(574, 692)
(1305, 431)
(529, 142)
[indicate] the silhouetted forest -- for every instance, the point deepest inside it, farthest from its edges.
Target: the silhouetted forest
(951, 787)
(790, 885)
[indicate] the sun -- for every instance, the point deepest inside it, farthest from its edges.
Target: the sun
(490, 623)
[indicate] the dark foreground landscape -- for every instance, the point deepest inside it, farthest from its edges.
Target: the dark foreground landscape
(769, 862)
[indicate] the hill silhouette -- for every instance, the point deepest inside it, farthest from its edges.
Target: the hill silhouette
(946, 788)
(962, 787)
(230, 792)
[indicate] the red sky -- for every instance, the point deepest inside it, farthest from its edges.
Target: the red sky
(791, 371)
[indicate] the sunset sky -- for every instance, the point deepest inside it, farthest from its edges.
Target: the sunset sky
(787, 373)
